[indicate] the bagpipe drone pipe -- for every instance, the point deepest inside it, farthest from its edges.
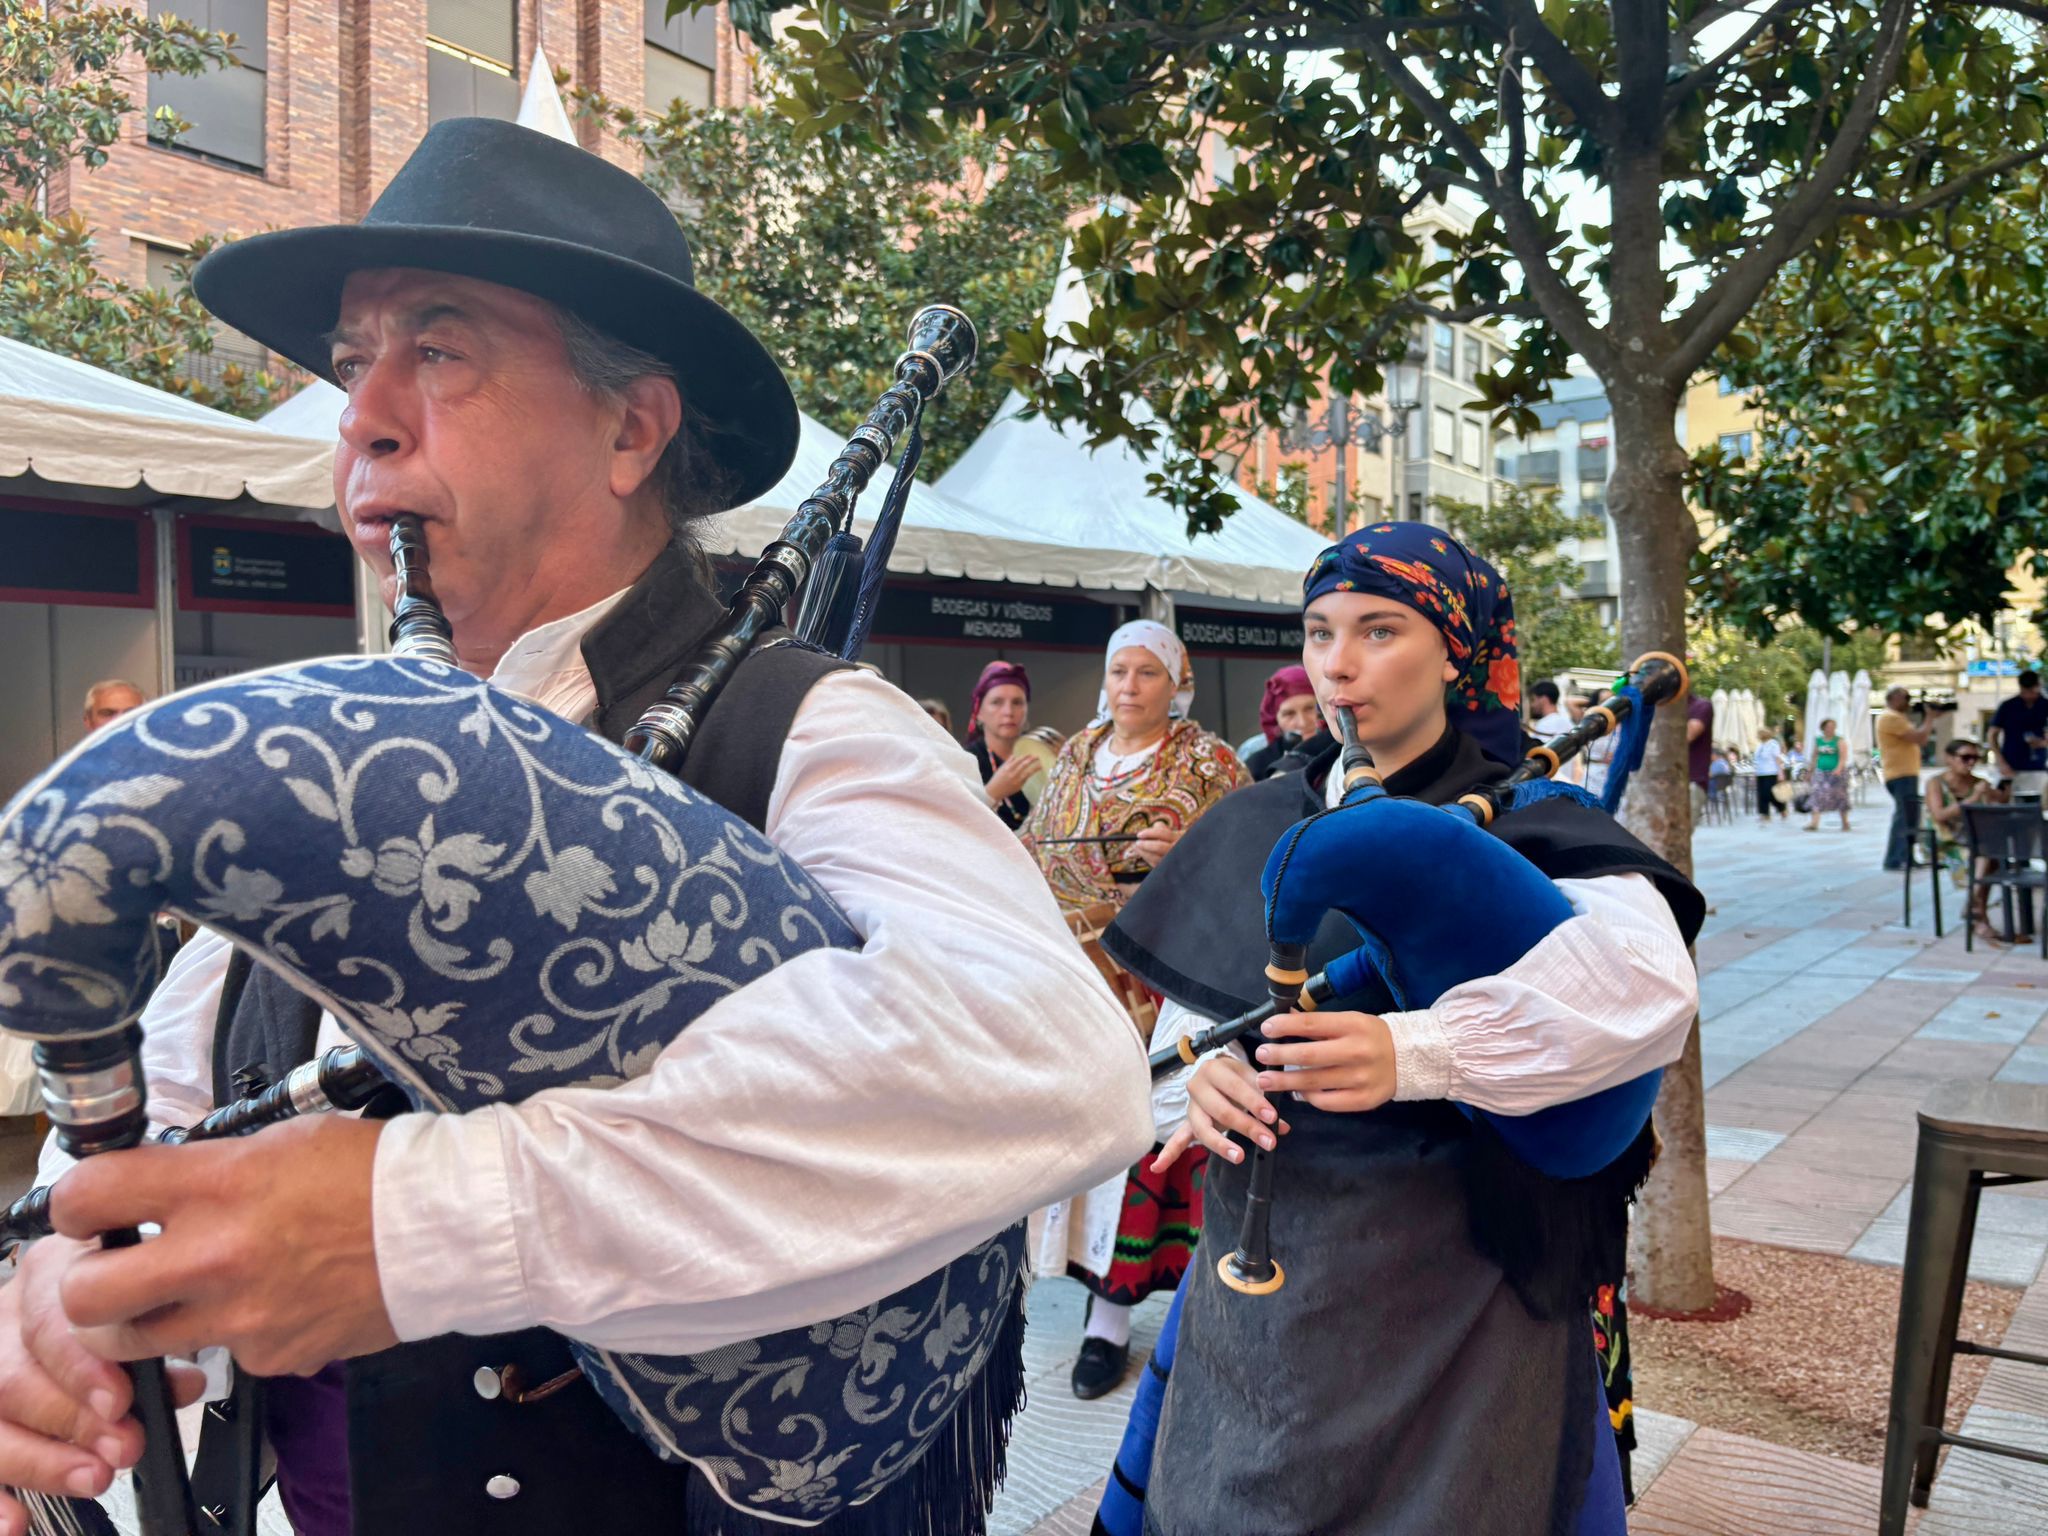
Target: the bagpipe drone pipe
(1415, 951)
(493, 901)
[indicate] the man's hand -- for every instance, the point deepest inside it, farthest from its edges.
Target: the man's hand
(1223, 1096)
(64, 1424)
(266, 1248)
(1346, 1064)
(1009, 778)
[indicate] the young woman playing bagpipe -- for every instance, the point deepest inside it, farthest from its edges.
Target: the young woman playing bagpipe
(1422, 1365)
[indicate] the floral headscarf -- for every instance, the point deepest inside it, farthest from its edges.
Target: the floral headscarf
(1464, 597)
(1163, 643)
(996, 674)
(1287, 683)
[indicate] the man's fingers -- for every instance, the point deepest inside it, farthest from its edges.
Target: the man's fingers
(120, 1189)
(78, 1373)
(30, 1460)
(31, 1398)
(117, 1285)
(170, 1331)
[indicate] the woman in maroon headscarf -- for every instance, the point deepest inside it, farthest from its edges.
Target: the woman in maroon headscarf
(1289, 717)
(997, 715)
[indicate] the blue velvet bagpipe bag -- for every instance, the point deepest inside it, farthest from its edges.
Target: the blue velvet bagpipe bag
(492, 902)
(1488, 906)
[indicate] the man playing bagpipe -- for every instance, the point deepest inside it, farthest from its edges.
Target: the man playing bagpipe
(1425, 1366)
(531, 374)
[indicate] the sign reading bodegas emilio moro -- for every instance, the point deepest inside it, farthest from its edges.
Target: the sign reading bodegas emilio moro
(1224, 631)
(971, 614)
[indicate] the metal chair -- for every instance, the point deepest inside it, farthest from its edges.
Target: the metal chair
(1929, 836)
(1973, 1136)
(2010, 837)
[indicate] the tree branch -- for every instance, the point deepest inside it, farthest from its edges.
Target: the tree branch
(1561, 303)
(1801, 216)
(2018, 8)
(1575, 85)
(1941, 196)
(1676, 93)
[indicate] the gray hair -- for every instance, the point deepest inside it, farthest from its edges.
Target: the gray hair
(108, 685)
(687, 480)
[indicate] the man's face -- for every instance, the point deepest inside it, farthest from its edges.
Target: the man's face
(110, 704)
(2031, 694)
(463, 410)
(1896, 699)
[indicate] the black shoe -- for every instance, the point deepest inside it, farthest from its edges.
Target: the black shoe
(1100, 1370)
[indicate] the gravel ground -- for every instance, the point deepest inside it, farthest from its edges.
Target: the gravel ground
(1809, 1364)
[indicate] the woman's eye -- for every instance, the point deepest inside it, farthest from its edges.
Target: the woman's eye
(1379, 632)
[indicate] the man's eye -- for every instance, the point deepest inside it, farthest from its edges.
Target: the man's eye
(345, 367)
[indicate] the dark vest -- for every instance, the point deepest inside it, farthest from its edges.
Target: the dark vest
(427, 1450)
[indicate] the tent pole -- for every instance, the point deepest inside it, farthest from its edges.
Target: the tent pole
(166, 599)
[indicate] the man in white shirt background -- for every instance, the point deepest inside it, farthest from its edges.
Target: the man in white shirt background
(531, 374)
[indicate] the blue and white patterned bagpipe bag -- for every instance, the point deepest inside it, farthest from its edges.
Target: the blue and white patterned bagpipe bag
(492, 902)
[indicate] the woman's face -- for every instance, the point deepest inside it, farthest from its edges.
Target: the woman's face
(1380, 659)
(1827, 727)
(1298, 715)
(1004, 713)
(1140, 690)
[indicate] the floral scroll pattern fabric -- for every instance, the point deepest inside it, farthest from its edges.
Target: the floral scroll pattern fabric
(492, 901)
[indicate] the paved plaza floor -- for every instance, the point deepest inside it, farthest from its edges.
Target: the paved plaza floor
(1825, 1021)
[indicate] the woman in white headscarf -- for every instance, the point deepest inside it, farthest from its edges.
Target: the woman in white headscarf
(1141, 771)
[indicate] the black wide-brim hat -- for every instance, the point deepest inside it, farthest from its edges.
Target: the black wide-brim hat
(488, 199)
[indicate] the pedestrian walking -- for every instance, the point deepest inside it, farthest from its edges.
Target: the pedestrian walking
(1828, 788)
(1769, 762)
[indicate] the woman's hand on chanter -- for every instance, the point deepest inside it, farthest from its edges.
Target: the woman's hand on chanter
(1344, 1063)
(1223, 1096)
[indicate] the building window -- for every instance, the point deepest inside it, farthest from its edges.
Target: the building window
(1222, 158)
(224, 106)
(1446, 343)
(1443, 434)
(1415, 506)
(1471, 443)
(682, 58)
(1736, 445)
(1474, 358)
(471, 45)
(231, 349)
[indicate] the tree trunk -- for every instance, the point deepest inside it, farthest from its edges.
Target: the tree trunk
(1671, 1257)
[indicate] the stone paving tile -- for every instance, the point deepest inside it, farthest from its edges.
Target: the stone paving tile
(2010, 1242)
(1789, 1224)
(1740, 1143)
(1975, 1494)
(1658, 1438)
(1721, 1484)
(2004, 1018)
(2028, 1064)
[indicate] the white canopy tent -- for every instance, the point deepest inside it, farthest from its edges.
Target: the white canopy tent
(1816, 709)
(68, 423)
(1028, 473)
(1857, 721)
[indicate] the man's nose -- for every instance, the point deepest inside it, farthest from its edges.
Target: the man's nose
(375, 422)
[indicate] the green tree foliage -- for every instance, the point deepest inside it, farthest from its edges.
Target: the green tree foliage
(1777, 668)
(1521, 534)
(63, 101)
(1288, 490)
(1723, 137)
(1903, 430)
(826, 256)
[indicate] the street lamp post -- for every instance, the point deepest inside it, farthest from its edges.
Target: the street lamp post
(1339, 429)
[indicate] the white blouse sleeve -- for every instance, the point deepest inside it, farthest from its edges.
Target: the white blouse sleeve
(1605, 997)
(838, 1129)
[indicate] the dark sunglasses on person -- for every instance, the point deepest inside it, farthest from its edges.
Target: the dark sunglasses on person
(1968, 759)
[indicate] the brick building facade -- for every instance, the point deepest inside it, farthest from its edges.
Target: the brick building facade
(338, 92)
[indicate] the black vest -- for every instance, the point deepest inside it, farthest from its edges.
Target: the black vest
(428, 1452)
